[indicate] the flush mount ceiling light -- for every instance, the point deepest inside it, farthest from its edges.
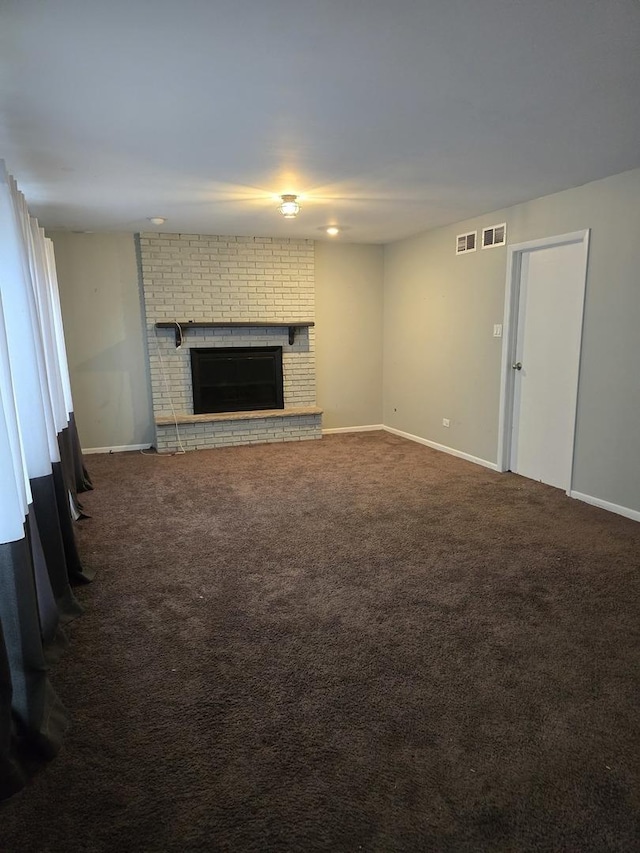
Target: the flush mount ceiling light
(332, 230)
(157, 220)
(289, 207)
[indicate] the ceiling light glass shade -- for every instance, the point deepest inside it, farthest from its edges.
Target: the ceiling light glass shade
(332, 230)
(289, 207)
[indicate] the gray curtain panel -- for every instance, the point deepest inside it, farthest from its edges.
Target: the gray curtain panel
(41, 718)
(47, 516)
(11, 778)
(35, 599)
(76, 573)
(75, 472)
(82, 479)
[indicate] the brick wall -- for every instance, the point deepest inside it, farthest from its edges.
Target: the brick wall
(200, 277)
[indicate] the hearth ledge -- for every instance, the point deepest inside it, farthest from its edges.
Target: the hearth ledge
(212, 417)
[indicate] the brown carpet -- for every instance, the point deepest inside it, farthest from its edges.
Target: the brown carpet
(342, 645)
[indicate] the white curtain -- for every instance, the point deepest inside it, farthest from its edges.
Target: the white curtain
(57, 325)
(23, 334)
(44, 306)
(15, 492)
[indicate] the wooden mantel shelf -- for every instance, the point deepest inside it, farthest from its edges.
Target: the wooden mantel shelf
(182, 326)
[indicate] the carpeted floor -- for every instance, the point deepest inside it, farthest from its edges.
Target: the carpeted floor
(354, 644)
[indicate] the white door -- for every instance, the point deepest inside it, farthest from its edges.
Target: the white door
(546, 361)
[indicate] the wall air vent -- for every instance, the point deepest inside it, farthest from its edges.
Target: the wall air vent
(494, 236)
(466, 243)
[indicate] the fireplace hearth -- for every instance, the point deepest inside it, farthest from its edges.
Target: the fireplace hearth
(236, 379)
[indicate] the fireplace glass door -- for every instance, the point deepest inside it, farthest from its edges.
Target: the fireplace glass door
(236, 379)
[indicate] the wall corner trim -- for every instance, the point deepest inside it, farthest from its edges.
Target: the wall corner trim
(442, 447)
(633, 514)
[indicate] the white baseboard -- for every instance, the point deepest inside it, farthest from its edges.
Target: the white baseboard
(450, 450)
(367, 428)
(619, 510)
(121, 449)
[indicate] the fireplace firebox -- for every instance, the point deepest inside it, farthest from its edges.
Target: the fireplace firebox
(236, 379)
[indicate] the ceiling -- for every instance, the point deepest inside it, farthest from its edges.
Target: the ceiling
(387, 118)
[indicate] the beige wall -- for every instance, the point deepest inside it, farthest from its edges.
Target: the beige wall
(440, 359)
(349, 334)
(104, 331)
(440, 355)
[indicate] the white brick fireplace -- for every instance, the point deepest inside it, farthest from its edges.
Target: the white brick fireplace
(209, 279)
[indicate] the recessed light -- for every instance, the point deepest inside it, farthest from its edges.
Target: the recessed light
(332, 230)
(157, 220)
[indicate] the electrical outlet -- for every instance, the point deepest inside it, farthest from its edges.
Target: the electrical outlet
(446, 422)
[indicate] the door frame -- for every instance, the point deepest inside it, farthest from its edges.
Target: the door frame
(515, 253)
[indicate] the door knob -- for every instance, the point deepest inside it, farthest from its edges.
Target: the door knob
(517, 365)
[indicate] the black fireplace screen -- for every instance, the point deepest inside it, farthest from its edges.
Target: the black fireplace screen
(236, 379)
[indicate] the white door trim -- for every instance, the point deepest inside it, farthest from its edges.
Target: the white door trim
(510, 329)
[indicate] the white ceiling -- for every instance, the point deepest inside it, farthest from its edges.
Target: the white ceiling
(388, 118)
